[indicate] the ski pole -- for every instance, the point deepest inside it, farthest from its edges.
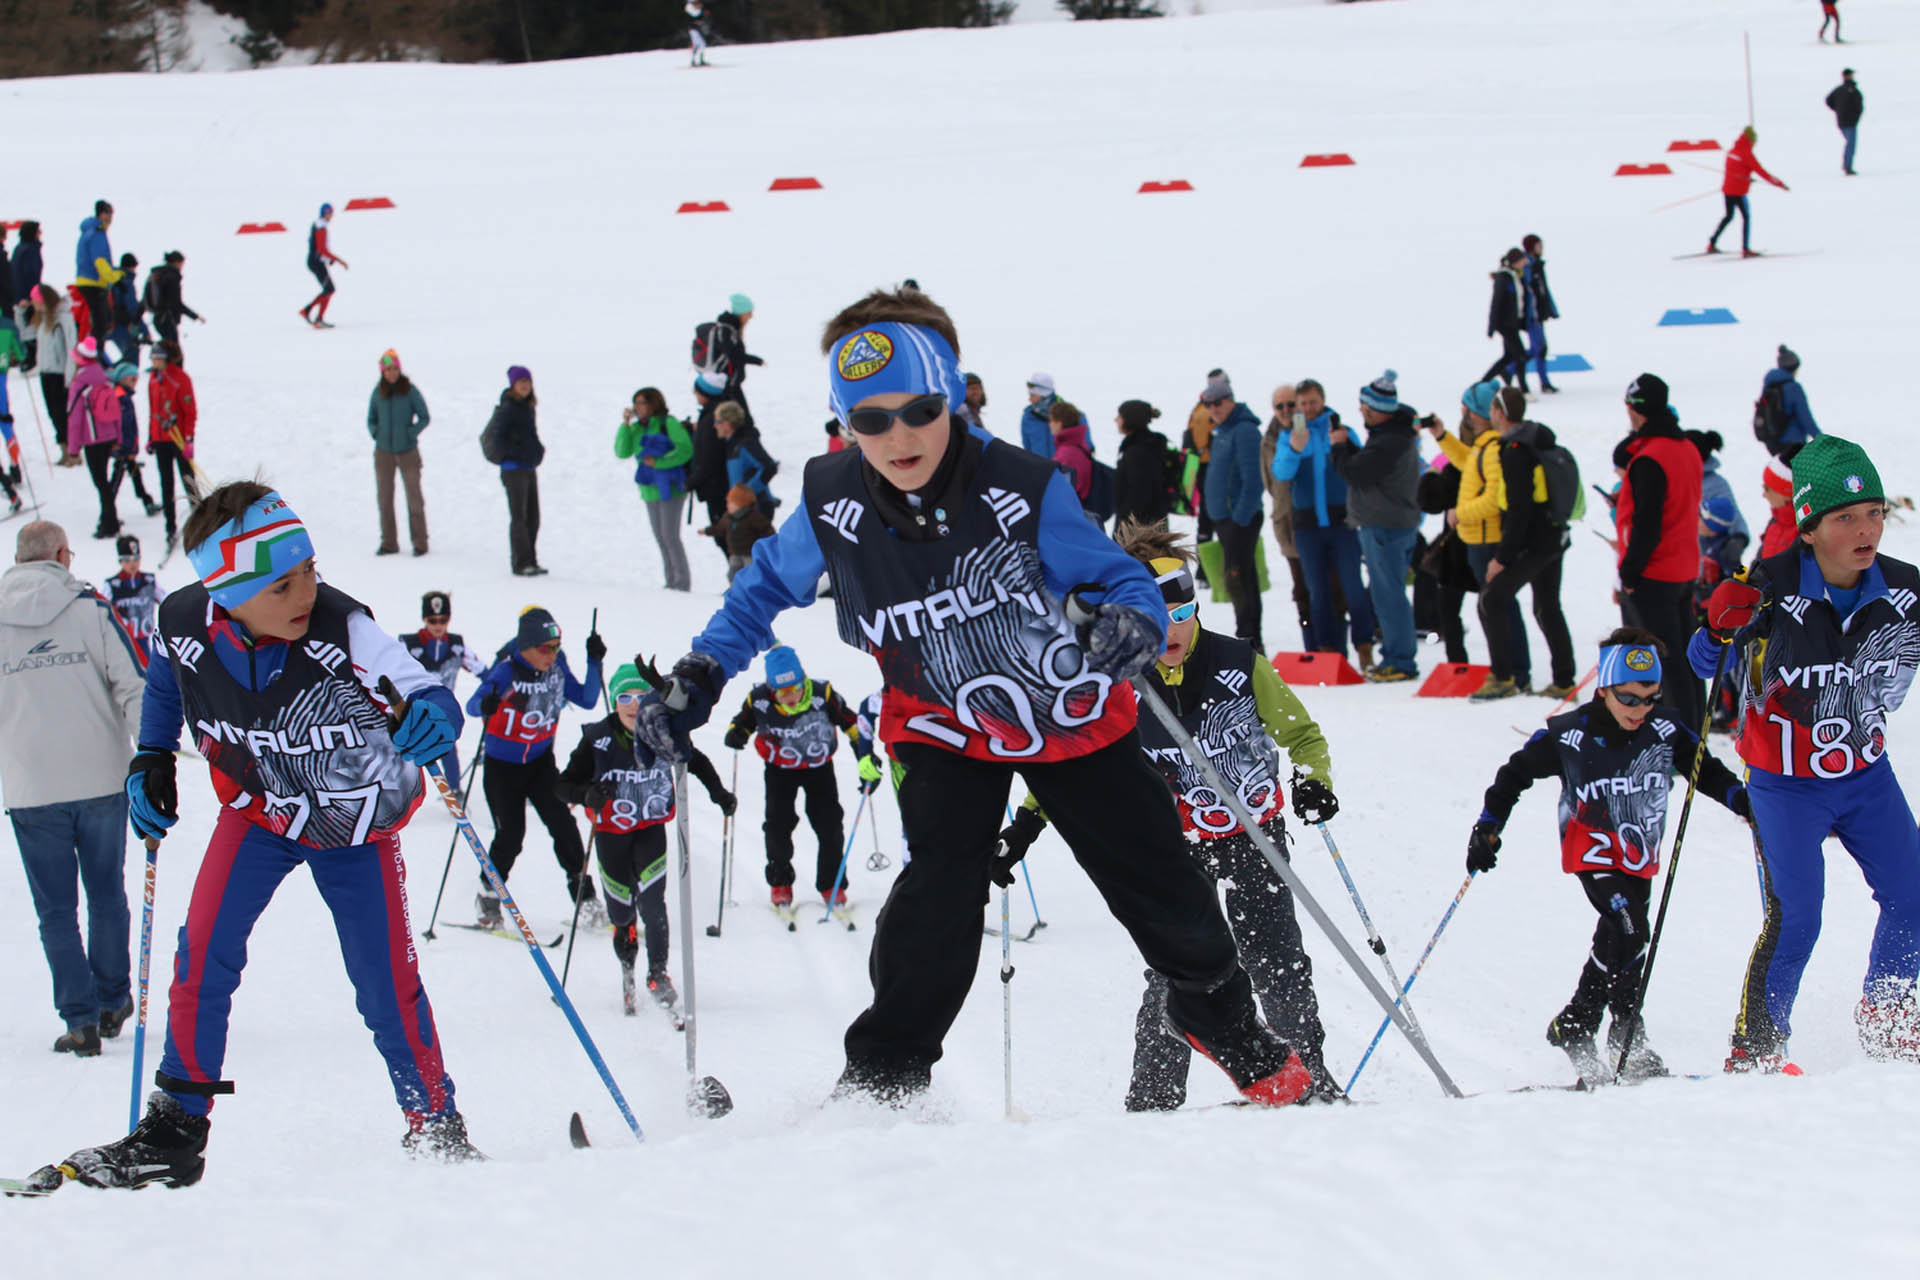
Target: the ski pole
(1006, 994)
(839, 877)
(876, 861)
(1673, 859)
(492, 873)
(1408, 984)
(726, 852)
(146, 969)
(1080, 615)
(1374, 939)
(705, 1095)
(573, 930)
(453, 842)
(46, 451)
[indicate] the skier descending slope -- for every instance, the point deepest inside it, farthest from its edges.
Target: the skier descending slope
(275, 672)
(318, 256)
(950, 555)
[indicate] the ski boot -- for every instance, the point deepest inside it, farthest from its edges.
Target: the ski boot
(1324, 1089)
(833, 898)
(1642, 1062)
(1577, 1043)
(1262, 1066)
(486, 909)
(1889, 1028)
(152, 507)
(113, 1019)
(782, 895)
(441, 1137)
(592, 914)
(81, 1042)
(1161, 1058)
(1742, 1060)
(888, 1085)
(165, 1148)
(660, 987)
(626, 947)
(1363, 656)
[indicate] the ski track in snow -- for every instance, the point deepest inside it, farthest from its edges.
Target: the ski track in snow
(535, 225)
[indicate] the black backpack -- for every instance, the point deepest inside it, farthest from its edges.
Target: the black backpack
(1101, 501)
(710, 341)
(491, 445)
(1770, 415)
(1566, 496)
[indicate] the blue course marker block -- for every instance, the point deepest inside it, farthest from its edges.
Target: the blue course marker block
(1568, 364)
(1699, 315)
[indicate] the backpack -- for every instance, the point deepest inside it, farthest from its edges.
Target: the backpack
(1770, 415)
(1566, 496)
(1101, 501)
(710, 341)
(491, 445)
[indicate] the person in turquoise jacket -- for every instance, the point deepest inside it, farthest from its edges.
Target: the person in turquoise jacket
(662, 448)
(1328, 545)
(396, 415)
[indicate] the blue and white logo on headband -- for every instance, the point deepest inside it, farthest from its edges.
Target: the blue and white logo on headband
(890, 358)
(1628, 664)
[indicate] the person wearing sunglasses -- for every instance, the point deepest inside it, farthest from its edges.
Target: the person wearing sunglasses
(1827, 637)
(627, 789)
(445, 655)
(952, 557)
(1243, 715)
(521, 700)
(1616, 757)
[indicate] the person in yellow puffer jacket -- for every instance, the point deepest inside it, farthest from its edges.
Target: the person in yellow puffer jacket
(94, 274)
(1476, 451)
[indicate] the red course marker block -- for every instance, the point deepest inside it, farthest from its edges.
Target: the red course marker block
(257, 228)
(1154, 188)
(1641, 170)
(1316, 668)
(11, 226)
(1325, 161)
(1454, 680)
(369, 202)
(1706, 144)
(795, 184)
(695, 206)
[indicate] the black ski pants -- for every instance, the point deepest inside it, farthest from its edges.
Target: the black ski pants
(633, 874)
(1539, 569)
(1117, 816)
(1511, 367)
(100, 466)
(509, 789)
(1239, 544)
(168, 458)
(1260, 913)
(1610, 979)
(523, 515)
(1666, 609)
(824, 815)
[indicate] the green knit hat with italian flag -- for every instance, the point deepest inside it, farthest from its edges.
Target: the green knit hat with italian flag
(1830, 473)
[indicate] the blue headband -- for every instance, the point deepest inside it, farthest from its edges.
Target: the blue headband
(246, 555)
(1628, 664)
(888, 358)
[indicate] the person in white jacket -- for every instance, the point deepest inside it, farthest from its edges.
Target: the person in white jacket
(71, 681)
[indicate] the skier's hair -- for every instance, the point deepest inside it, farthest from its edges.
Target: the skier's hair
(1149, 542)
(228, 502)
(1064, 413)
(731, 411)
(1512, 402)
(898, 306)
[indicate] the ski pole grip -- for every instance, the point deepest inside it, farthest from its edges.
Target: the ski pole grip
(675, 696)
(1079, 612)
(396, 705)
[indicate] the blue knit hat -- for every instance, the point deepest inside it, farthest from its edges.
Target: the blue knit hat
(740, 304)
(783, 668)
(537, 627)
(1383, 393)
(1718, 512)
(1478, 398)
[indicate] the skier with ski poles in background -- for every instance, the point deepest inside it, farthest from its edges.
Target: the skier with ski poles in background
(950, 557)
(277, 673)
(1742, 164)
(444, 654)
(1830, 637)
(1242, 714)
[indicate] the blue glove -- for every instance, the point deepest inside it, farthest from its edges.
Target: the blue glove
(425, 735)
(669, 715)
(153, 801)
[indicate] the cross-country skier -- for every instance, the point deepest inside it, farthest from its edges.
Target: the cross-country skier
(135, 595)
(278, 674)
(1742, 164)
(318, 256)
(1831, 640)
(520, 699)
(1616, 757)
(697, 31)
(445, 655)
(1240, 711)
(951, 557)
(793, 721)
(628, 790)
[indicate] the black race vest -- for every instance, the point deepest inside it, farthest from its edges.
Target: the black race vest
(310, 756)
(642, 795)
(446, 668)
(135, 601)
(1214, 702)
(1613, 789)
(530, 712)
(803, 741)
(976, 653)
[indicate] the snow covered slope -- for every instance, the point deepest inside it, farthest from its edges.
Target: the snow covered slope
(535, 224)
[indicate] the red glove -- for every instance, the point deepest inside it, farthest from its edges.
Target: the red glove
(1731, 607)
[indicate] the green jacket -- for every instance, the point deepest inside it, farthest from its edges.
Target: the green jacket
(395, 422)
(661, 472)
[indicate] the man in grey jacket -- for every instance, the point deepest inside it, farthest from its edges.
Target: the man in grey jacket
(1383, 479)
(71, 682)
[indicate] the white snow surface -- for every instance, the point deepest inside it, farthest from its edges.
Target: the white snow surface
(535, 224)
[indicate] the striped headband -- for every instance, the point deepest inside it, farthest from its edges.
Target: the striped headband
(1628, 664)
(248, 554)
(885, 358)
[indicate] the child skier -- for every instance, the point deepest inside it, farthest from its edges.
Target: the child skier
(743, 525)
(951, 557)
(1239, 710)
(791, 720)
(629, 791)
(278, 674)
(318, 256)
(126, 455)
(1831, 641)
(521, 699)
(445, 655)
(1616, 757)
(135, 595)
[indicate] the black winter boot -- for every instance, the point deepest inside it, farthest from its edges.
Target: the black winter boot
(164, 1148)
(81, 1042)
(442, 1138)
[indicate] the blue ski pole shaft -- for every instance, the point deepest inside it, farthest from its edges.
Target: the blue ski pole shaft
(492, 873)
(840, 876)
(146, 970)
(1374, 939)
(1408, 985)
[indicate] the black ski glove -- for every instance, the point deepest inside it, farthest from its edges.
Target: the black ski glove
(735, 739)
(1313, 800)
(1014, 842)
(489, 703)
(727, 801)
(668, 715)
(1481, 843)
(596, 647)
(1739, 805)
(595, 796)
(153, 800)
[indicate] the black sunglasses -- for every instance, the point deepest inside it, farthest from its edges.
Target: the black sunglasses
(1636, 699)
(915, 413)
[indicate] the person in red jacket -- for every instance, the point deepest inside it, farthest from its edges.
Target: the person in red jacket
(1781, 531)
(1742, 164)
(1656, 523)
(171, 414)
